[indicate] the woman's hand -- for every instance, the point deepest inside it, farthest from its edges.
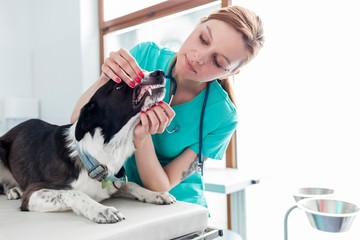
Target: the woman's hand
(121, 66)
(154, 120)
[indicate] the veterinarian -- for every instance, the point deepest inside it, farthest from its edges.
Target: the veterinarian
(198, 116)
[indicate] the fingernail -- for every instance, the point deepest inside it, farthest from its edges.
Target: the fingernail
(137, 79)
(161, 102)
(141, 74)
(118, 80)
(132, 84)
(142, 111)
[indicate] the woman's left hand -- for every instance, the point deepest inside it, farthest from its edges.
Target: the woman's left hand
(154, 120)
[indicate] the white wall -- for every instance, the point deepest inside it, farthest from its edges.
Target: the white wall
(56, 62)
(15, 54)
(48, 51)
(299, 107)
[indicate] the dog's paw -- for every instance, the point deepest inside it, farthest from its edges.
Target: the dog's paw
(160, 198)
(106, 215)
(14, 193)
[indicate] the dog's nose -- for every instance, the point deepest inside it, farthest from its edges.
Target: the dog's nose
(157, 73)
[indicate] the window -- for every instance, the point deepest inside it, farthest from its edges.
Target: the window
(166, 34)
(115, 8)
(132, 20)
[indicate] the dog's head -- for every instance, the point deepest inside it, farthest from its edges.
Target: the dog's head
(114, 104)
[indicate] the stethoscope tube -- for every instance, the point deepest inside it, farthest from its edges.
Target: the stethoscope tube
(200, 164)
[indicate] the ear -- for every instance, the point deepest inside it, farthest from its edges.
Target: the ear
(87, 120)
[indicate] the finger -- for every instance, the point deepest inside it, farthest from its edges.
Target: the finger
(131, 71)
(114, 71)
(121, 68)
(109, 72)
(170, 113)
(153, 121)
(144, 121)
(138, 72)
(162, 118)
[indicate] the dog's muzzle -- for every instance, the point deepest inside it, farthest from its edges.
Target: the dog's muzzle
(152, 86)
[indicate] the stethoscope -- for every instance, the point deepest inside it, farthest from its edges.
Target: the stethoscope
(200, 165)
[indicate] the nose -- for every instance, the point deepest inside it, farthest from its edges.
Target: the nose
(199, 62)
(199, 58)
(157, 73)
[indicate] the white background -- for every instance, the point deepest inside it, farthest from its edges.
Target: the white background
(299, 106)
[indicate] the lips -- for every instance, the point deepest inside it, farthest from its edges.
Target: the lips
(188, 65)
(142, 91)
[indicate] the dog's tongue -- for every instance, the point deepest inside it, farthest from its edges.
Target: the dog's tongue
(143, 90)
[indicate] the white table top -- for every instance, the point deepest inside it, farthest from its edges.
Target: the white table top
(227, 180)
(143, 221)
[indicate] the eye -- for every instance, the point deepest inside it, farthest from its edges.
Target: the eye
(216, 63)
(118, 87)
(202, 40)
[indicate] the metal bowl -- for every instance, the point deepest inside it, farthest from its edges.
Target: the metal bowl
(308, 192)
(329, 215)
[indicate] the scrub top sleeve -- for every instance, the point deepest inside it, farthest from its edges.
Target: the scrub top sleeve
(135, 51)
(139, 52)
(151, 56)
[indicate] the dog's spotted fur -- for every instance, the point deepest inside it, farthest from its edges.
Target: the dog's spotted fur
(39, 162)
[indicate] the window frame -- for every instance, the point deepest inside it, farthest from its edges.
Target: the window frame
(156, 11)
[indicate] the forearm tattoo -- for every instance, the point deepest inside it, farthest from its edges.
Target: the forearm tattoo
(193, 167)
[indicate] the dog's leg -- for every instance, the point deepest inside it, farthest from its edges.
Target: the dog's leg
(50, 200)
(133, 190)
(10, 185)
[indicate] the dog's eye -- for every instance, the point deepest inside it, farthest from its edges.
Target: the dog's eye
(118, 87)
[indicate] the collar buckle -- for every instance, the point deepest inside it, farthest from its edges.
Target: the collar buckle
(99, 172)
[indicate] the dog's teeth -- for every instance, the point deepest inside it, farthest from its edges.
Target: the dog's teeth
(156, 86)
(150, 91)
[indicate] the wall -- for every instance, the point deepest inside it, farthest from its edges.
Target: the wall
(48, 51)
(56, 62)
(299, 107)
(15, 54)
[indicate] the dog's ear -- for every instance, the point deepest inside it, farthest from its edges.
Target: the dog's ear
(87, 120)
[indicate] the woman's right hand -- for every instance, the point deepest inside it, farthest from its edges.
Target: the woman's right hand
(155, 120)
(121, 66)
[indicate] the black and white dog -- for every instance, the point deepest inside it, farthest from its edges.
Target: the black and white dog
(74, 167)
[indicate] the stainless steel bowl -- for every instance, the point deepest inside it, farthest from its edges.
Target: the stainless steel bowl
(329, 215)
(308, 192)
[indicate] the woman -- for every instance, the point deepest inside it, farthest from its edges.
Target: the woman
(197, 115)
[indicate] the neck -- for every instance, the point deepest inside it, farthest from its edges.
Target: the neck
(186, 90)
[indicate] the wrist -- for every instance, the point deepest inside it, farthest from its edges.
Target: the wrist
(141, 140)
(103, 78)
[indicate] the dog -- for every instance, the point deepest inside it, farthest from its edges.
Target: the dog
(76, 166)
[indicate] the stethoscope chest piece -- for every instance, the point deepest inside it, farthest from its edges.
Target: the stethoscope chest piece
(174, 130)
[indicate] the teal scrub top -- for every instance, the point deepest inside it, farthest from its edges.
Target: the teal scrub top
(220, 122)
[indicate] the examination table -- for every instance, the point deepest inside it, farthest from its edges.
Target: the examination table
(143, 221)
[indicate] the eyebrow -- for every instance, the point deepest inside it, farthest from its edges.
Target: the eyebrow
(209, 31)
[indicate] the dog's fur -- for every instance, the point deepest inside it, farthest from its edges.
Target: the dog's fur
(39, 162)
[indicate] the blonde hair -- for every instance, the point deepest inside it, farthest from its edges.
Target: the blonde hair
(249, 25)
